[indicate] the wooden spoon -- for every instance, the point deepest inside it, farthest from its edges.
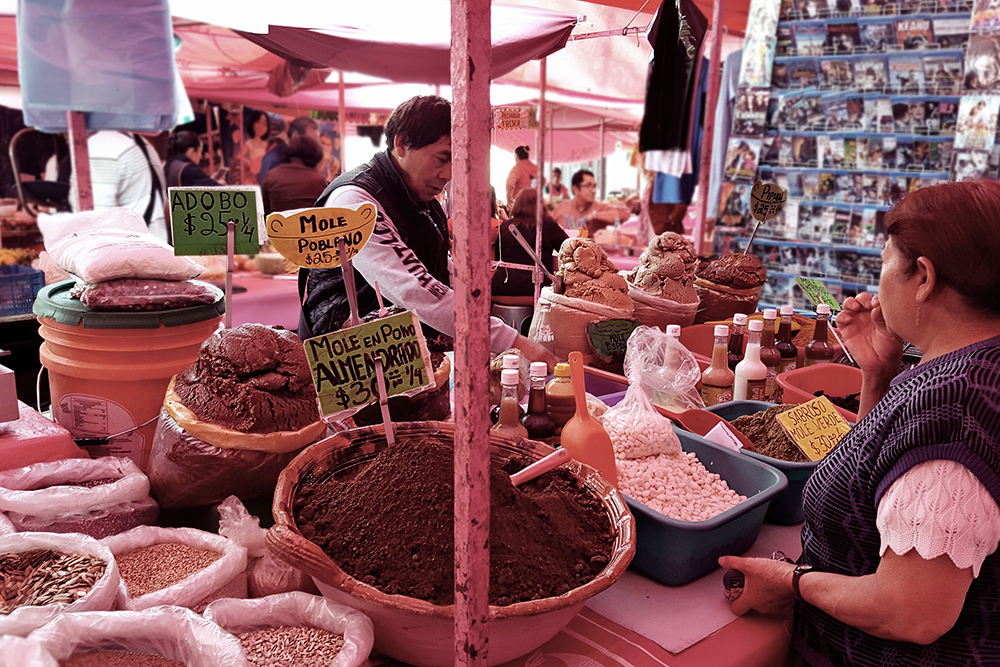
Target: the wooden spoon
(700, 422)
(582, 436)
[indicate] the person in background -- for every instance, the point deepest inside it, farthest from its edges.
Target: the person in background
(258, 129)
(556, 189)
(518, 282)
(583, 210)
(184, 152)
(330, 166)
(899, 561)
(296, 183)
(408, 251)
(523, 174)
(303, 125)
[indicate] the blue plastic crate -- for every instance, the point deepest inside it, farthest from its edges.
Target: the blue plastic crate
(19, 285)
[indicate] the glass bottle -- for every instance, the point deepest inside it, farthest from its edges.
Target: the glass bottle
(769, 355)
(509, 361)
(509, 421)
(536, 421)
(717, 380)
(788, 350)
(818, 351)
(736, 340)
(560, 402)
(543, 330)
(751, 373)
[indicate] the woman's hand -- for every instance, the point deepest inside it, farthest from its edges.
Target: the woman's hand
(768, 586)
(873, 346)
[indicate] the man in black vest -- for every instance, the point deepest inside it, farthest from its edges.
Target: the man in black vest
(408, 251)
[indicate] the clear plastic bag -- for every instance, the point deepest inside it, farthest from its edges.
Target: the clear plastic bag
(24, 652)
(101, 596)
(299, 610)
(6, 527)
(637, 430)
(173, 633)
(224, 576)
(265, 575)
(111, 254)
(130, 294)
(665, 369)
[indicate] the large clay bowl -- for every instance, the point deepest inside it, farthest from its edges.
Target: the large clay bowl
(416, 631)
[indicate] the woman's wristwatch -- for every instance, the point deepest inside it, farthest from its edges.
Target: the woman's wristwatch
(797, 573)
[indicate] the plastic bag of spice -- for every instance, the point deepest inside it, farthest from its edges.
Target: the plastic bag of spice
(265, 574)
(637, 430)
(667, 371)
(6, 527)
(24, 652)
(131, 294)
(96, 497)
(299, 610)
(43, 590)
(185, 567)
(172, 633)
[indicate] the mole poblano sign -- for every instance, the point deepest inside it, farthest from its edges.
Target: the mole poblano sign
(308, 237)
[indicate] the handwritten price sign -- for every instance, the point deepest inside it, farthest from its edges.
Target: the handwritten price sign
(766, 200)
(343, 363)
(199, 218)
(817, 292)
(815, 427)
(308, 237)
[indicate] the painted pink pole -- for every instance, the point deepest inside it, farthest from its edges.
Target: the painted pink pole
(536, 274)
(711, 101)
(342, 122)
(80, 157)
(470, 137)
(209, 142)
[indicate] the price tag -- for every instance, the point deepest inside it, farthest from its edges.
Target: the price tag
(199, 218)
(817, 292)
(766, 200)
(343, 363)
(723, 435)
(308, 237)
(815, 427)
(609, 338)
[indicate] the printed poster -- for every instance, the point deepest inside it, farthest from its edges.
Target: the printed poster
(977, 122)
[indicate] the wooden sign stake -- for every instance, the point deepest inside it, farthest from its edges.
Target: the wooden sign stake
(383, 401)
(382, 310)
(230, 267)
(349, 286)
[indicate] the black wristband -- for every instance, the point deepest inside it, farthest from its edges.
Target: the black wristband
(796, 575)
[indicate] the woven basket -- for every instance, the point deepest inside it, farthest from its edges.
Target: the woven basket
(416, 631)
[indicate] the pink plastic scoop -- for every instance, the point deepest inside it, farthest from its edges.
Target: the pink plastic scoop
(540, 467)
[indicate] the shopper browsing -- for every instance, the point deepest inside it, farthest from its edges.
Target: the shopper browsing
(522, 175)
(583, 210)
(899, 563)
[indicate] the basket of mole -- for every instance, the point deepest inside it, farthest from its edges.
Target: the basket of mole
(373, 525)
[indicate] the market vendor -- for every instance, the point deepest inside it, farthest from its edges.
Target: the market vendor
(583, 211)
(899, 563)
(408, 251)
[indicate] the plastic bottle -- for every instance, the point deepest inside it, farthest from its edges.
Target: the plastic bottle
(736, 340)
(509, 421)
(717, 380)
(818, 351)
(788, 350)
(751, 373)
(509, 361)
(560, 403)
(769, 355)
(536, 421)
(543, 331)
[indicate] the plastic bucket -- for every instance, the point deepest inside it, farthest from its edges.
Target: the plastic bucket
(108, 372)
(800, 385)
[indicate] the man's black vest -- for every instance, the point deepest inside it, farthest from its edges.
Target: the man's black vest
(423, 227)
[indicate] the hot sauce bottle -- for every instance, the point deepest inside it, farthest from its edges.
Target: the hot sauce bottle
(818, 351)
(717, 380)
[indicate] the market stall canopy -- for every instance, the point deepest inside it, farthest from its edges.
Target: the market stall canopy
(734, 13)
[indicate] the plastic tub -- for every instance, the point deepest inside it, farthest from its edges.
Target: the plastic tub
(800, 385)
(108, 371)
(675, 552)
(786, 507)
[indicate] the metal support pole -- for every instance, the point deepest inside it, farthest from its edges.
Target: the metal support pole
(536, 273)
(208, 138)
(711, 102)
(601, 169)
(238, 147)
(342, 123)
(470, 135)
(80, 157)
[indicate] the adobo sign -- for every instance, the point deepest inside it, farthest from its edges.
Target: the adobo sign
(308, 237)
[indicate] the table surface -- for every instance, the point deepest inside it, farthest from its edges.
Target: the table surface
(272, 300)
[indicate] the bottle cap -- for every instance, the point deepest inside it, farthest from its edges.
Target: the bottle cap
(770, 314)
(756, 325)
(674, 330)
(823, 309)
(509, 377)
(721, 330)
(511, 361)
(740, 319)
(562, 370)
(787, 309)
(539, 369)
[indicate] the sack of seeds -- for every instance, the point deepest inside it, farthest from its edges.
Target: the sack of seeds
(185, 567)
(96, 497)
(302, 629)
(172, 633)
(24, 653)
(6, 527)
(47, 574)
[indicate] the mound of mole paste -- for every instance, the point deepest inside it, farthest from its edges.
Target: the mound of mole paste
(392, 526)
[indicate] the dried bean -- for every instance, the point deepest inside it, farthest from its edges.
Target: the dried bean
(291, 646)
(117, 659)
(89, 484)
(41, 577)
(160, 566)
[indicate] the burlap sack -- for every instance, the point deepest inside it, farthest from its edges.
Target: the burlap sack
(654, 311)
(569, 318)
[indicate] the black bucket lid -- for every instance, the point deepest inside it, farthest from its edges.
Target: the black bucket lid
(54, 302)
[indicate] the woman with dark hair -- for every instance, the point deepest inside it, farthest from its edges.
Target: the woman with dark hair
(257, 130)
(899, 558)
(184, 151)
(517, 282)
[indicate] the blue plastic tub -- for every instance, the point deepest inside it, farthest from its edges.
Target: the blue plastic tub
(675, 552)
(786, 507)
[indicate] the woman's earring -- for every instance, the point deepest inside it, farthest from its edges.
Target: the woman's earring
(917, 324)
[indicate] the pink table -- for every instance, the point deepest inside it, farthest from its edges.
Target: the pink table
(272, 300)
